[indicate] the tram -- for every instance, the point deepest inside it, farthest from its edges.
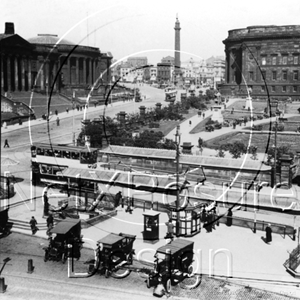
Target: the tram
(170, 94)
(49, 160)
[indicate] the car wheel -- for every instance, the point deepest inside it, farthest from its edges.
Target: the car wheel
(190, 270)
(107, 273)
(148, 283)
(168, 286)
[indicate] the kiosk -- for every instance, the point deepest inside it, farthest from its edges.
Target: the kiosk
(151, 227)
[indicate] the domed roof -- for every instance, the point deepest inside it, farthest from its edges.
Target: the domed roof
(50, 39)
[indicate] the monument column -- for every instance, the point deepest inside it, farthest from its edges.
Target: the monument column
(177, 47)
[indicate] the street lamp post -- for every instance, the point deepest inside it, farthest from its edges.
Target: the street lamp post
(177, 142)
(275, 152)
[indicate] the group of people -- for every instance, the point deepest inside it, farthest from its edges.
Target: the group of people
(209, 217)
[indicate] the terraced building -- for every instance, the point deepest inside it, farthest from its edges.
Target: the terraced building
(263, 60)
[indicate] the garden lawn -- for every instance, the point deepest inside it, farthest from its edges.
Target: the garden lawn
(262, 141)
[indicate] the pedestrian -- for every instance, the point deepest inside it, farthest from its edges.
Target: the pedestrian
(20, 121)
(170, 230)
(50, 222)
(57, 121)
(6, 143)
(190, 122)
(203, 115)
(67, 110)
(56, 112)
(229, 218)
(33, 224)
(46, 204)
(268, 234)
(95, 104)
(118, 198)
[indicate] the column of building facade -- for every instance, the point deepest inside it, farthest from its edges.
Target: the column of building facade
(47, 71)
(29, 72)
(258, 75)
(16, 77)
(2, 71)
(94, 69)
(55, 76)
(84, 70)
(40, 78)
(69, 71)
(8, 68)
(77, 70)
(90, 72)
(23, 73)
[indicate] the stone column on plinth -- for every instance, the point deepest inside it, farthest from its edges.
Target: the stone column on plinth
(142, 110)
(187, 148)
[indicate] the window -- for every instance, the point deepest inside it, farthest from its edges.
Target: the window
(274, 60)
(273, 88)
(284, 59)
(263, 75)
(294, 88)
(263, 88)
(263, 60)
(251, 75)
(274, 75)
(284, 88)
(296, 59)
(295, 75)
(284, 75)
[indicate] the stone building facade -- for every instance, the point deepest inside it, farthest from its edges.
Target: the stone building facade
(46, 61)
(263, 60)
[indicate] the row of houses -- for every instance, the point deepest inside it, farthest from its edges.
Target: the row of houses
(137, 69)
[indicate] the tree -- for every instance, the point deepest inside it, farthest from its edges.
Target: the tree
(237, 149)
(298, 110)
(282, 150)
(253, 151)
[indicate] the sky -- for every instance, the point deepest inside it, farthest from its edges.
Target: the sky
(146, 28)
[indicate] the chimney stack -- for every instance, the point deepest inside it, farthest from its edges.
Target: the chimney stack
(9, 28)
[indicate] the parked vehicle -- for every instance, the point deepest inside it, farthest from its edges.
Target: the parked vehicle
(115, 251)
(173, 263)
(67, 231)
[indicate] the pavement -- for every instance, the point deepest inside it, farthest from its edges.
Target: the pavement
(234, 253)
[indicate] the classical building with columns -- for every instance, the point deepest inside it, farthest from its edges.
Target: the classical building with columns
(47, 62)
(263, 60)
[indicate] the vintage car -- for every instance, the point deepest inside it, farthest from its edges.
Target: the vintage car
(115, 251)
(67, 232)
(173, 263)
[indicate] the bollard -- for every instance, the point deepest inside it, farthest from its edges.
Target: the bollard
(3, 286)
(30, 266)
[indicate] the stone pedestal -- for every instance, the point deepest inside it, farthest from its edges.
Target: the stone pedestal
(187, 148)
(217, 115)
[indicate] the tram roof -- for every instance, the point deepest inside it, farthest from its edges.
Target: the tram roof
(204, 161)
(63, 147)
(119, 178)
